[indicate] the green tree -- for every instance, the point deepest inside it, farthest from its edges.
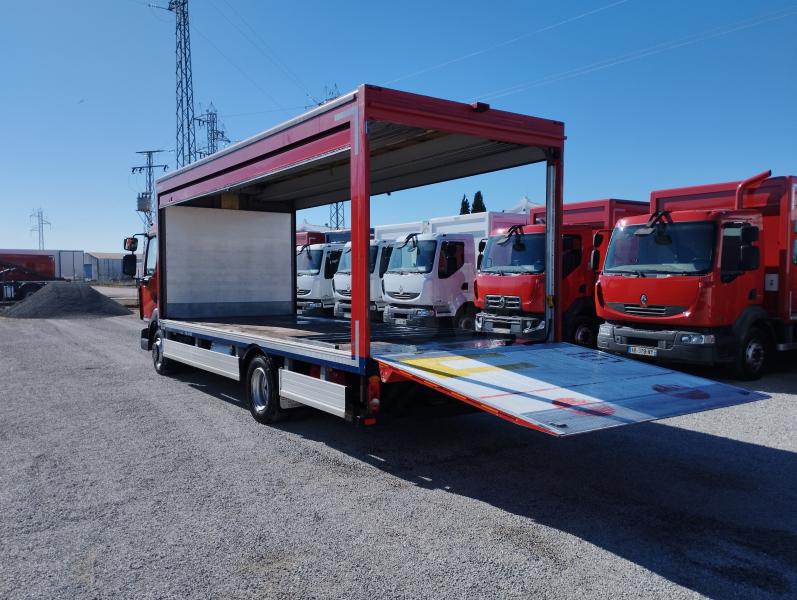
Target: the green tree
(464, 206)
(478, 203)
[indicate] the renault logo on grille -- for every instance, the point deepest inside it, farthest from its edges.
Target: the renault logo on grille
(643, 299)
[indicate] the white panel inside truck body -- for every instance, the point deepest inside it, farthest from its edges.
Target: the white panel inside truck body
(563, 389)
(227, 263)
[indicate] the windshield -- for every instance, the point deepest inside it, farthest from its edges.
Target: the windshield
(345, 261)
(518, 254)
(685, 248)
(308, 262)
(413, 258)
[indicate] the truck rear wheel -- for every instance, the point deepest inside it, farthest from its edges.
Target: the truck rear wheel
(163, 365)
(262, 395)
(752, 354)
(465, 319)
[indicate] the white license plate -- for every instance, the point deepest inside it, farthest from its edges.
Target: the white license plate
(401, 321)
(642, 350)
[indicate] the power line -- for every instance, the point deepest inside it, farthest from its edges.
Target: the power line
(144, 199)
(38, 225)
(259, 42)
(507, 42)
(641, 53)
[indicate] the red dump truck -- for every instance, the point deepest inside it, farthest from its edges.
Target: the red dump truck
(709, 276)
(219, 290)
(510, 286)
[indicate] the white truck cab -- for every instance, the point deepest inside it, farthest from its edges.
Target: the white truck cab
(429, 280)
(316, 265)
(378, 257)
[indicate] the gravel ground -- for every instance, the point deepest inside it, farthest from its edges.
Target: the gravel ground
(116, 482)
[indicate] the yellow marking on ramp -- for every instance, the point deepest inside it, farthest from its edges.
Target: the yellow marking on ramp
(438, 366)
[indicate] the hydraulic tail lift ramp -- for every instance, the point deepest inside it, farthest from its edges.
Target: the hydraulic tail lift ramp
(241, 202)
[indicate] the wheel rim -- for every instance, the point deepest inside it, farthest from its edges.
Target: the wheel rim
(583, 336)
(259, 388)
(466, 323)
(157, 354)
(754, 355)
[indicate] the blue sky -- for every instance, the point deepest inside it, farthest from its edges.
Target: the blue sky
(653, 94)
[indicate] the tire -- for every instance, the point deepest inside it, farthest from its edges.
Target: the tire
(465, 320)
(752, 355)
(584, 332)
(163, 365)
(262, 395)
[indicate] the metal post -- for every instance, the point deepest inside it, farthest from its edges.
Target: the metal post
(360, 231)
(553, 249)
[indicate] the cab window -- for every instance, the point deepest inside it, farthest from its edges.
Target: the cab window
(152, 257)
(571, 253)
(452, 257)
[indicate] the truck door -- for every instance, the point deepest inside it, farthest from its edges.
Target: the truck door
(148, 290)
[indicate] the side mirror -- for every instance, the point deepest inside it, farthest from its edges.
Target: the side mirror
(129, 264)
(482, 245)
(131, 244)
(481, 256)
(749, 234)
(749, 258)
(595, 260)
(597, 240)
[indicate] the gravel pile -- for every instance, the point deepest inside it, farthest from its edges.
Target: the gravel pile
(62, 299)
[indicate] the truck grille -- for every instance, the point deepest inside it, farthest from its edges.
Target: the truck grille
(503, 301)
(300, 292)
(344, 292)
(403, 295)
(651, 310)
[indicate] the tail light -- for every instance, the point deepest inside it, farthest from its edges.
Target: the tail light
(373, 394)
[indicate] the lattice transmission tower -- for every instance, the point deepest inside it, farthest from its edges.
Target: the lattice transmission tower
(144, 199)
(38, 225)
(215, 131)
(185, 149)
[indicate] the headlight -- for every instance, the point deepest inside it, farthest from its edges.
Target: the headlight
(533, 325)
(696, 338)
(605, 329)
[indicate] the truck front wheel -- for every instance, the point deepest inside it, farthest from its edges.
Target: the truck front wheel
(752, 354)
(163, 365)
(584, 332)
(261, 390)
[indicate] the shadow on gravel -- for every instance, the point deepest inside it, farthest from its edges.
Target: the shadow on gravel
(711, 514)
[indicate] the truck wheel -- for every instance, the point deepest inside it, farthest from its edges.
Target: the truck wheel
(584, 332)
(466, 320)
(163, 365)
(261, 390)
(752, 354)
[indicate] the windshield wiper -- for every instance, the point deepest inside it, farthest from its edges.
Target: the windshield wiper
(626, 272)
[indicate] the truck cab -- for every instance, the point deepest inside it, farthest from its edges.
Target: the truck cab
(378, 258)
(706, 282)
(429, 280)
(316, 265)
(510, 285)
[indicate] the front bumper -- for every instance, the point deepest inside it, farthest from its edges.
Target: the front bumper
(666, 345)
(343, 309)
(314, 307)
(421, 316)
(524, 326)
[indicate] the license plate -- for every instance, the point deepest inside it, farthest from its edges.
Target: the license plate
(642, 350)
(401, 321)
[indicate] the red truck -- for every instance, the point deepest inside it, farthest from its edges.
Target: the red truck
(219, 286)
(23, 274)
(510, 285)
(708, 277)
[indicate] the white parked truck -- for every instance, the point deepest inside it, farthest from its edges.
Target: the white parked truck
(378, 257)
(429, 279)
(316, 265)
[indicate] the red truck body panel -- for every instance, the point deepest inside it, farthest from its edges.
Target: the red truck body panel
(28, 267)
(309, 237)
(601, 214)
